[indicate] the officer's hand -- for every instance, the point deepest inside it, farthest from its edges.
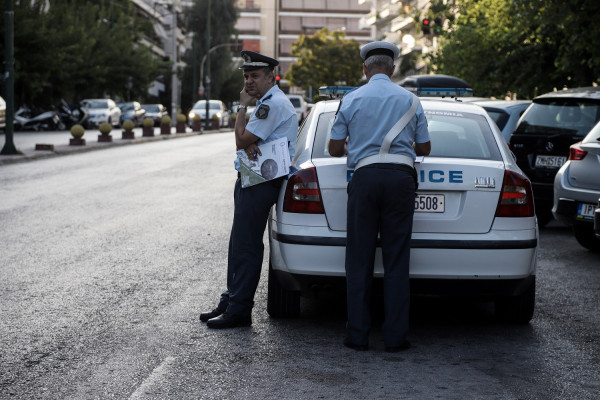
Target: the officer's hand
(252, 151)
(245, 98)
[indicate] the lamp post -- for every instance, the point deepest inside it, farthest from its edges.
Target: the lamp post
(9, 146)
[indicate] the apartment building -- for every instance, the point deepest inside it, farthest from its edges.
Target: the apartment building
(272, 26)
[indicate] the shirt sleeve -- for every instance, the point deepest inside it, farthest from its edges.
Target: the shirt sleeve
(339, 130)
(265, 126)
(422, 133)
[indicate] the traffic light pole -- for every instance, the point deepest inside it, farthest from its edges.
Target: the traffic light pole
(9, 16)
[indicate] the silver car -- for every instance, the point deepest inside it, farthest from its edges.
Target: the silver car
(101, 110)
(475, 231)
(577, 189)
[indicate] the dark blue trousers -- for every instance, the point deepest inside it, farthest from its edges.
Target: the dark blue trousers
(380, 201)
(246, 248)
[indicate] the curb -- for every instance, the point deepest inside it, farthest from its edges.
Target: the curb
(66, 149)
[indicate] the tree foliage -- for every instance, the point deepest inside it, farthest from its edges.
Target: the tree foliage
(73, 50)
(526, 47)
(325, 58)
(226, 81)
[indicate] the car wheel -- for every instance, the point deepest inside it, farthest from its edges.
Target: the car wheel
(281, 303)
(517, 309)
(586, 237)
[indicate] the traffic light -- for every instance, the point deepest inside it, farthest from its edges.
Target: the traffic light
(437, 25)
(277, 79)
(426, 26)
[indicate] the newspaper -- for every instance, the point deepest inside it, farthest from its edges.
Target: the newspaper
(273, 163)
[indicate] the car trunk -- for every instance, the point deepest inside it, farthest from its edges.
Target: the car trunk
(584, 174)
(465, 187)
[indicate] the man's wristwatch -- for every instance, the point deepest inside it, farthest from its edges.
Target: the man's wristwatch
(242, 108)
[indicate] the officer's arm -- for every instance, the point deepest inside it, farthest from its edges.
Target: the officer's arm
(243, 137)
(337, 148)
(423, 149)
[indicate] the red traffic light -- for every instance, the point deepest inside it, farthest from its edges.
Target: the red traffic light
(277, 78)
(426, 22)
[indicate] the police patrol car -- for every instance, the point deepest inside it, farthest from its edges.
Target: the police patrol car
(474, 233)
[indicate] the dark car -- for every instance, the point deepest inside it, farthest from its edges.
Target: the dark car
(543, 137)
(133, 111)
(419, 84)
(156, 112)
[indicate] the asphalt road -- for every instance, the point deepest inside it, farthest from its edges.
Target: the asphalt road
(107, 257)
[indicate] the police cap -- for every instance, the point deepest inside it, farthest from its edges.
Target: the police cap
(254, 60)
(379, 48)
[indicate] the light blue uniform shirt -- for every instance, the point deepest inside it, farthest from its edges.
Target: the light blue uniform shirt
(280, 122)
(368, 113)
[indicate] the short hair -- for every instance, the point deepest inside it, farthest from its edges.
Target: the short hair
(379, 62)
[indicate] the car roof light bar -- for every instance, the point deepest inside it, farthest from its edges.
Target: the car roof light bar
(334, 91)
(441, 92)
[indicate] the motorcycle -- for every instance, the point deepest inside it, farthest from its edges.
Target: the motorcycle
(28, 120)
(72, 115)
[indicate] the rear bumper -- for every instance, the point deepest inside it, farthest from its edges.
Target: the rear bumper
(314, 286)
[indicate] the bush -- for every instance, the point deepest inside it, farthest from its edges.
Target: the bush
(105, 128)
(166, 120)
(197, 117)
(128, 125)
(77, 131)
(181, 118)
(148, 123)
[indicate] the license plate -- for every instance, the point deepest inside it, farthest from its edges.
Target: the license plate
(550, 161)
(431, 203)
(585, 211)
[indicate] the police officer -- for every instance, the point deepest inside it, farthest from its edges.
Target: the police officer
(383, 128)
(273, 118)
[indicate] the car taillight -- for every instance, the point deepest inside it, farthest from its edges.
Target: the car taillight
(576, 153)
(516, 197)
(302, 194)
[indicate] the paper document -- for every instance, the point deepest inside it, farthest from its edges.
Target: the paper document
(273, 163)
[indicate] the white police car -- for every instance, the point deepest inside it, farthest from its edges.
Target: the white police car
(475, 231)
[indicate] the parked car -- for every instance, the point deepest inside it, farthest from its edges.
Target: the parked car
(577, 189)
(544, 134)
(133, 111)
(101, 110)
(300, 105)
(474, 233)
(156, 112)
(215, 108)
(2, 113)
(505, 113)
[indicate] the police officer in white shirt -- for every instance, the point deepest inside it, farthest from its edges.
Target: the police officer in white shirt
(273, 118)
(383, 127)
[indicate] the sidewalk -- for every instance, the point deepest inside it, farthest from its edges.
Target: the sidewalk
(58, 142)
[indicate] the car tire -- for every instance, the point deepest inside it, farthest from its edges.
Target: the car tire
(517, 309)
(586, 237)
(281, 303)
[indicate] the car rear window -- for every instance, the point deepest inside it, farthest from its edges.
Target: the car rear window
(500, 117)
(594, 135)
(295, 102)
(559, 116)
(453, 135)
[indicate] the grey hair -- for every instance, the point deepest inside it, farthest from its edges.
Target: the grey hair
(378, 62)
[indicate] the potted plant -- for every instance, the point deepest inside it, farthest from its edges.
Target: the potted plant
(77, 132)
(128, 126)
(180, 124)
(148, 127)
(215, 121)
(165, 125)
(197, 123)
(104, 135)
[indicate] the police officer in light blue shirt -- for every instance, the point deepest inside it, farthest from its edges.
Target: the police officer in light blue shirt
(383, 128)
(273, 118)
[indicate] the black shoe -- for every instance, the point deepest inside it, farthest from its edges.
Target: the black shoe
(213, 314)
(354, 346)
(395, 349)
(226, 321)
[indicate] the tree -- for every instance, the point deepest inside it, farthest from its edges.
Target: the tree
(527, 47)
(69, 49)
(226, 80)
(325, 58)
